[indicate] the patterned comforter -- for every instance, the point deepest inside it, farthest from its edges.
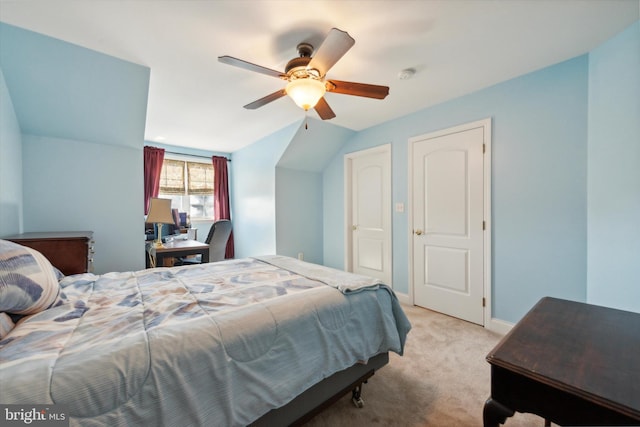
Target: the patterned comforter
(215, 344)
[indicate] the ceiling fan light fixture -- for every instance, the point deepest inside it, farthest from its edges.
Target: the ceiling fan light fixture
(306, 92)
(305, 76)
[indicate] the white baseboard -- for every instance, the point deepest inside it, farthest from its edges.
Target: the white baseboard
(500, 326)
(404, 298)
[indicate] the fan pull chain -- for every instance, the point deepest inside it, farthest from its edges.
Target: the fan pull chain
(306, 119)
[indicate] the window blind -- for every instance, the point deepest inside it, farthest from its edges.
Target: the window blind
(172, 177)
(200, 178)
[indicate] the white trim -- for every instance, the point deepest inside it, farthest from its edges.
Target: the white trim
(348, 244)
(410, 217)
(187, 158)
(488, 234)
(404, 298)
(500, 326)
(486, 125)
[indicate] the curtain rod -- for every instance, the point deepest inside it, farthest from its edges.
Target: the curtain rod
(194, 155)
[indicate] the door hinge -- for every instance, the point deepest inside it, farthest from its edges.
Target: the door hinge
(484, 148)
(484, 225)
(484, 302)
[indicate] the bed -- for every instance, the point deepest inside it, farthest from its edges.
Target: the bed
(260, 341)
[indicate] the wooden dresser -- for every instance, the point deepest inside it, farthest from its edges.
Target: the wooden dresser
(71, 252)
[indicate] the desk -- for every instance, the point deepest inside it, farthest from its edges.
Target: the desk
(181, 248)
(570, 363)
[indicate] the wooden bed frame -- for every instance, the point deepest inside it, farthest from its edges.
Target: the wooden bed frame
(321, 395)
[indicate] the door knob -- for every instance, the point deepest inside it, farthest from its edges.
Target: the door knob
(418, 232)
(354, 227)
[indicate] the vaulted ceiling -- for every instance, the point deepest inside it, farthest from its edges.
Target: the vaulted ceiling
(454, 46)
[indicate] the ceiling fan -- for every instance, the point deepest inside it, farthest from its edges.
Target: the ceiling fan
(306, 76)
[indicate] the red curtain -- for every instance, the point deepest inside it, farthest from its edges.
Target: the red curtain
(221, 206)
(153, 158)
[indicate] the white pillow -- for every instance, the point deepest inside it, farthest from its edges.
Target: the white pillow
(28, 283)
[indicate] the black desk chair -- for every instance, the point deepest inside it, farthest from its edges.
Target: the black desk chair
(217, 239)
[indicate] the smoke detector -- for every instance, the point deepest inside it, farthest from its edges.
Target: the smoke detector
(406, 74)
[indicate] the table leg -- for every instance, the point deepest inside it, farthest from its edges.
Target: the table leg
(204, 257)
(495, 413)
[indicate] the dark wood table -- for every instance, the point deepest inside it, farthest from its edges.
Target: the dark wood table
(570, 363)
(181, 248)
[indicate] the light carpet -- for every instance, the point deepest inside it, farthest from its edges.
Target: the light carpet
(443, 379)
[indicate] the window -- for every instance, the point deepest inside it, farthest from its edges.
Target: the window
(189, 185)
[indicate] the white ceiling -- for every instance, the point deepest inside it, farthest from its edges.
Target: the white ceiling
(456, 47)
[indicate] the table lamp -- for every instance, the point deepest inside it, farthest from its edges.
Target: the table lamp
(159, 213)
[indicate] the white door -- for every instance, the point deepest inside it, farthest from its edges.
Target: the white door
(448, 236)
(369, 212)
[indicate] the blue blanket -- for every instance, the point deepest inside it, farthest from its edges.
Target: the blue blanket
(215, 344)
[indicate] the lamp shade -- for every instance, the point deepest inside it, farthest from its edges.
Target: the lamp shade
(160, 211)
(305, 92)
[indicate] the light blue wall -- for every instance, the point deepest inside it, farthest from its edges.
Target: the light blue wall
(82, 117)
(614, 172)
(10, 165)
(539, 124)
(277, 195)
(299, 200)
(299, 214)
(66, 91)
(78, 185)
(332, 220)
(253, 193)
(314, 145)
